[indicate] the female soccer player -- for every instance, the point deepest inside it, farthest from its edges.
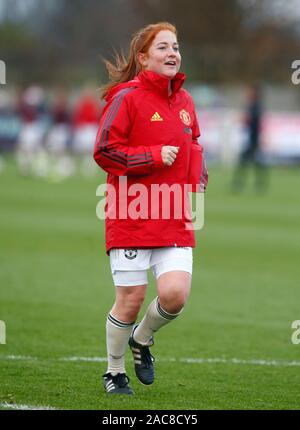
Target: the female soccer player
(147, 139)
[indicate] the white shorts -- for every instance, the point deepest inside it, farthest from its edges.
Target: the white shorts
(57, 139)
(129, 266)
(84, 139)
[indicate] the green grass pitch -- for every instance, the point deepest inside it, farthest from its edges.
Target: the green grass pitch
(56, 290)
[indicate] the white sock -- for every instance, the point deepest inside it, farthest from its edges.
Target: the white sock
(117, 336)
(155, 318)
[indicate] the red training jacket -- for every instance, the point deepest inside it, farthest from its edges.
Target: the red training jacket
(138, 120)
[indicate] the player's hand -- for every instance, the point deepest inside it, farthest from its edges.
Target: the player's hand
(169, 154)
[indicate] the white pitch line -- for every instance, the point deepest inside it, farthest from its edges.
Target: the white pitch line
(17, 357)
(26, 407)
(85, 359)
(200, 360)
(240, 361)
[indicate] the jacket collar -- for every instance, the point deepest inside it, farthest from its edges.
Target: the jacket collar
(151, 80)
(160, 83)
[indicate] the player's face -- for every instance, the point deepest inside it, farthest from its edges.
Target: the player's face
(163, 56)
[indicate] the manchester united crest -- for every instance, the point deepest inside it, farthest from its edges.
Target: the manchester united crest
(185, 117)
(130, 253)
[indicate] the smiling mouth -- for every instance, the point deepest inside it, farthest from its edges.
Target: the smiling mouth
(170, 63)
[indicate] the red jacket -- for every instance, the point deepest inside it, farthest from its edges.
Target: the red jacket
(138, 120)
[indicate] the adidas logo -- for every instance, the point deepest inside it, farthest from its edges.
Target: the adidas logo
(156, 117)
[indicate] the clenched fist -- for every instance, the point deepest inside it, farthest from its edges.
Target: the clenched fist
(169, 154)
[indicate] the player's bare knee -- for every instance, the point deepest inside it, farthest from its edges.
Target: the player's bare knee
(132, 314)
(136, 298)
(132, 304)
(174, 307)
(173, 301)
(134, 308)
(127, 314)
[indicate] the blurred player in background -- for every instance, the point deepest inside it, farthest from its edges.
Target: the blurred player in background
(58, 141)
(32, 110)
(85, 124)
(252, 153)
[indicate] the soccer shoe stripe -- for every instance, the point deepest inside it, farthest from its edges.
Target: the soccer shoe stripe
(110, 387)
(137, 361)
(109, 390)
(109, 384)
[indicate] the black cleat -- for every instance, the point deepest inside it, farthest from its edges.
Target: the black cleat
(116, 384)
(143, 362)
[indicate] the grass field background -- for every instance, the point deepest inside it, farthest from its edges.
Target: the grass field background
(56, 290)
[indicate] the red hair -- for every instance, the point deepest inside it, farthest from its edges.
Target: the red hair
(126, 69)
